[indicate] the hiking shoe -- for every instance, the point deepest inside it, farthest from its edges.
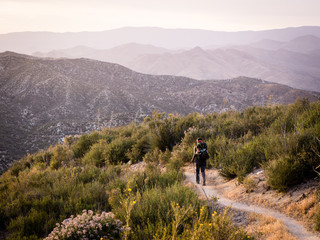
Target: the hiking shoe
(198, 181)
(204, 184)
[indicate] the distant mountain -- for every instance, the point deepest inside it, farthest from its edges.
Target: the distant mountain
(267, 44)
(280, 66)
(74, 52)
(30, 42)
(295, 63)
(42, 100)
(303, 44)
(121, 54)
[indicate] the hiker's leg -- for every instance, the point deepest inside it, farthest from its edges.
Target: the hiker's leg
(197, 172)
(203, 168)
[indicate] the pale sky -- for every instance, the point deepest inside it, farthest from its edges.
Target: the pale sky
(99, 15)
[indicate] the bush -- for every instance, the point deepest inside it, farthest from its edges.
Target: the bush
(84, 143)
(34, 202)
(62, 155)
(88, 226)
(249, 184)
(153, 177)
(182, 153)
(139, 149)
(210, 226)
(97, 154)
(247, 157)
(283, 173)
(175, 164)
(116, 151)
(30, 225)
(154, 209)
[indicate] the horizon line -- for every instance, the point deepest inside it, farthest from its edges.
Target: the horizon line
(154, 27)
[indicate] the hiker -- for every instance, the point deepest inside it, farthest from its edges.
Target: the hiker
(200, 154)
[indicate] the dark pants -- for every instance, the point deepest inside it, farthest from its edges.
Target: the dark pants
(200, 166)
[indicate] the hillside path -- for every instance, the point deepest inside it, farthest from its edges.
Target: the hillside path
(294, 227)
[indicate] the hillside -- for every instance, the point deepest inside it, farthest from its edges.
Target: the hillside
(135, 172)
(42, 100)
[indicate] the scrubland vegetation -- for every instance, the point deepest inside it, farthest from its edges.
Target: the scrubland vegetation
(91, 173)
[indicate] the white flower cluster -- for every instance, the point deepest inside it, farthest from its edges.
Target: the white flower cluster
(88, 226)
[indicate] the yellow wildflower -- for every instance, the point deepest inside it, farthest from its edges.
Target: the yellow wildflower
(129, 189)
(134, 202)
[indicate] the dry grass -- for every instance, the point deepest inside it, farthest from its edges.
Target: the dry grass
(304, 207)
(268, 228)
(249, 184)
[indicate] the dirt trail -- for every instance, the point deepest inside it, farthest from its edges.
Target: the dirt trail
(293, 226)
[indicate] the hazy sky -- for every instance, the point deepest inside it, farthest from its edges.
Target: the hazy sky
(98, 15)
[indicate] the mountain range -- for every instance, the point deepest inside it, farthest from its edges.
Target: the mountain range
(43, 100)
(295, 63)
(29, 42)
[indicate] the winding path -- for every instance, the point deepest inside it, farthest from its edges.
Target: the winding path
(293, 226)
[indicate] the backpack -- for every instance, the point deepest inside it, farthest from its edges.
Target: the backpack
(202, 151)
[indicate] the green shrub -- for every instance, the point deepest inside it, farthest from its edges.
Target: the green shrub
(182, 153)
(210, 226)
(97, 154)
(37, 199)
(283, 173)
(153, 177)
(33, 224)
(175, 164)
(154, 209)
(139, 149)
(116, 151)
(84, 143)
(247, 157)
(61, 155)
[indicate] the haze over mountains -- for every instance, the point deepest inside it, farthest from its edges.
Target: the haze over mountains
(42, 100)
(288, 56)
(295, 63)
(29, 42)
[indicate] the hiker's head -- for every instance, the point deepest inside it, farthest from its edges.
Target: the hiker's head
(199, 140)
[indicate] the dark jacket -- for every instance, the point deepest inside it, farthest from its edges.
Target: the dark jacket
(195, 157)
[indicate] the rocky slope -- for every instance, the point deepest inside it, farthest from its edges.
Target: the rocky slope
(42, 100)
